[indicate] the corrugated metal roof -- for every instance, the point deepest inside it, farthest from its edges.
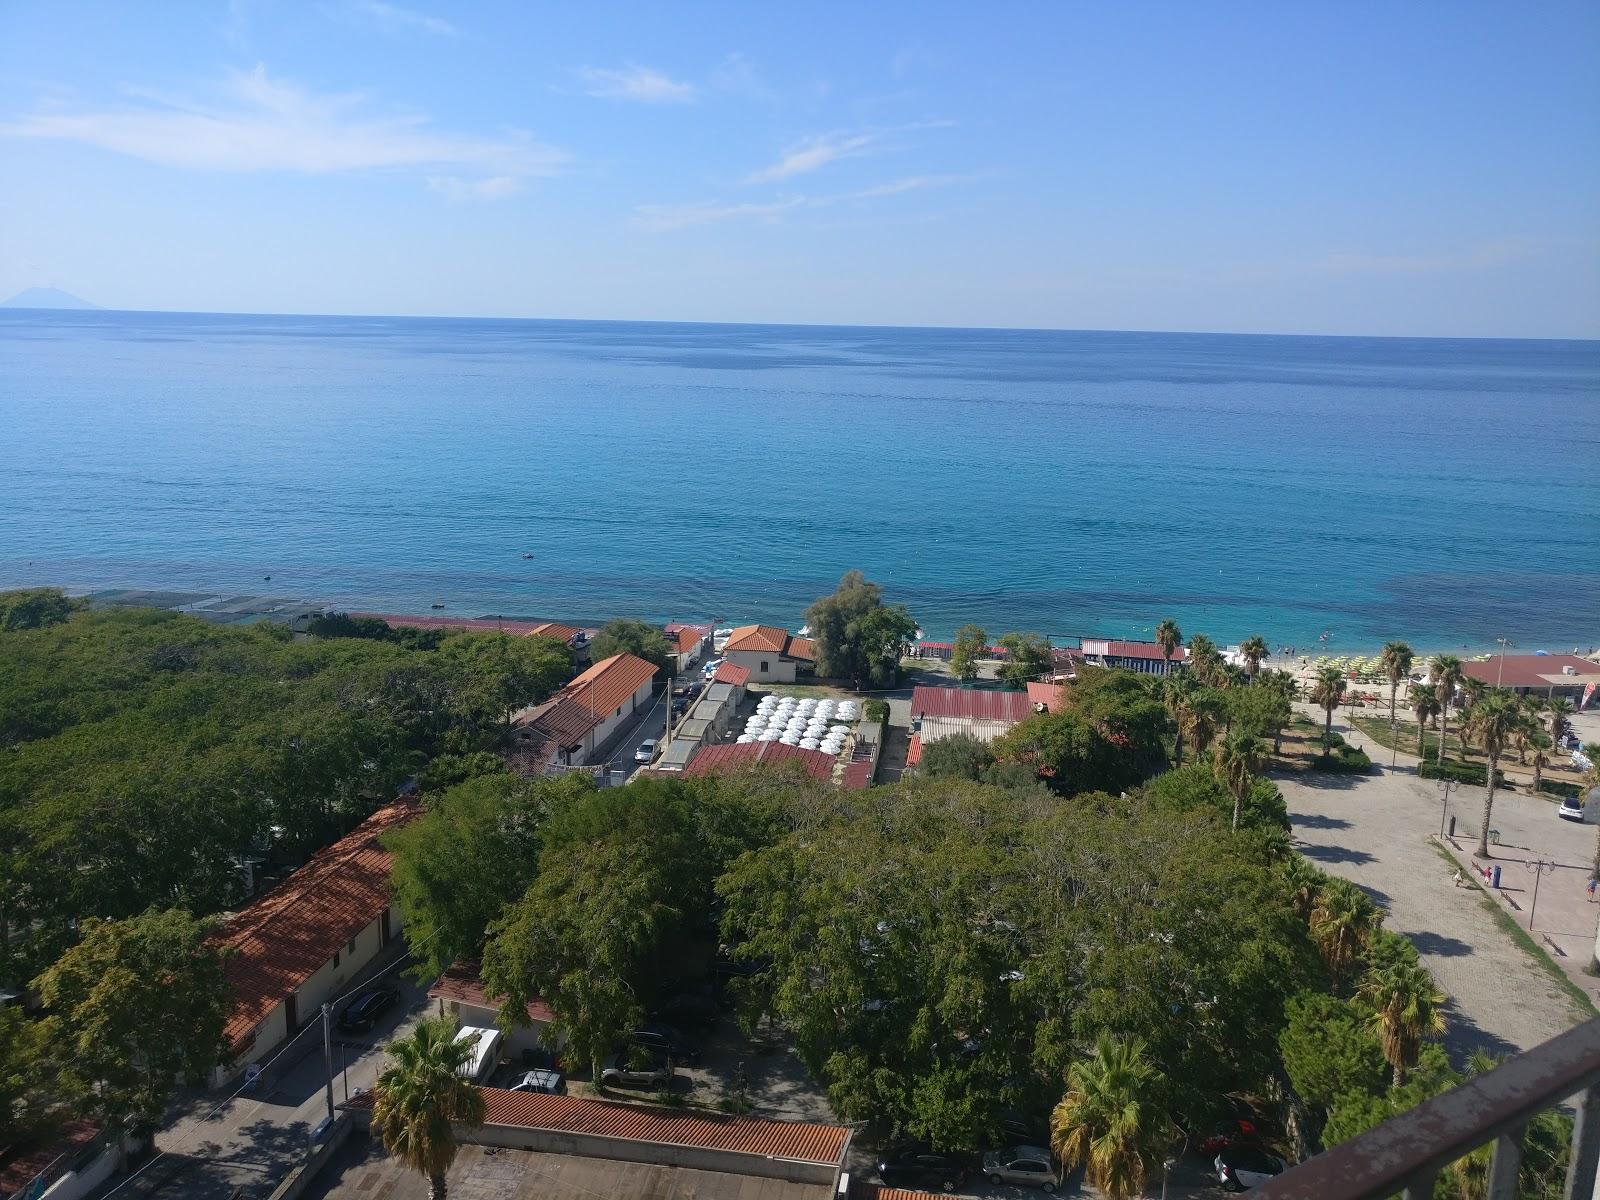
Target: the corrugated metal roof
(861, 1190)
(1142, 650)
(966, 702)
(1047, 694)
(736, 757)
(463, 983)
(799, 1141)
(285, 937)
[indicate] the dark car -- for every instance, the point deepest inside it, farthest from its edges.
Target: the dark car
(912, 1167)
(664, 1039)
(638, 1068)
(362, 1013)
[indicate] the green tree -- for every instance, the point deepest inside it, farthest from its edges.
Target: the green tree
(1198, 786)
(1206, 661)
(1113, 1121)
(36, 1093)
(1406, 1006)
(1490, 723)
(1329, 1049)
(959, 756)
(35, 608)
(1262, 711)
(623, 636)
(1237, 760)
(1177, 692)
(1424, 701)
(1127, 709)
(1445, 670)
(1028, 657)
(1067, 751)
(1328, 692)
(1395, 661)
(1558, 710)
(135, 1006)
(1342, 919)
(422, 1096)
(1543, 749)
(1169, 637)
(970, 644)
(1253, 650)
(858, 637)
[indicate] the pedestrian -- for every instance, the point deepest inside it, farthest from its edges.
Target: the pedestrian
(1459, 879)
(1593, 882)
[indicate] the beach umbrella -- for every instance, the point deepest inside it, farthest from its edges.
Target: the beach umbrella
(841, 730)
(744, 739)
(809, 743)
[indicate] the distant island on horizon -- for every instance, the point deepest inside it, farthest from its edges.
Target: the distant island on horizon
(46, 297)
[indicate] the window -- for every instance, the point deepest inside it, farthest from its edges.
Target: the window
(351, 948)
(619, 711)
(763, 664)
(335, 960)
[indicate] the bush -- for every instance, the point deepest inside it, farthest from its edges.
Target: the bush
(1460, 772)
(876, 710)
(1345, 760)
(1555, 787)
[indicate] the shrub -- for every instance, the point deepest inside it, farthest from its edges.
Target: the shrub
(1460, 772)
(876, 710)
(1556, 787)
(1345, 760)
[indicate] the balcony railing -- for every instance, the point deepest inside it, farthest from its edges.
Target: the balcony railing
(1404, 1155)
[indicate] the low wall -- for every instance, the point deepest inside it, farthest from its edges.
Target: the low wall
(627, 1150)
(297, 1180)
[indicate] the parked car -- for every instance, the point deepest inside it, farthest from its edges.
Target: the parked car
(362, 1013)
(1574, 808)
(637, 1067)
(1027, 1165)
(1240, 1168)
(679, 707)
(919, 1168)
(664, 1039)
(1240, 1131)
(646, 751)
(549, 1083)
(711, 667)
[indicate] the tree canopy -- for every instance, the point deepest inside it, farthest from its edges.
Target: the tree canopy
(858, 637)
(624, 636)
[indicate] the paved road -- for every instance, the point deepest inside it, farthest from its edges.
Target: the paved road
(1376, 831)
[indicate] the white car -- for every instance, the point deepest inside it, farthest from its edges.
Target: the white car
(1572, 808)
(1240, 1168)
(646, 751)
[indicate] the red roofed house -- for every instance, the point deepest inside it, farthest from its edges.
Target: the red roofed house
(1144, 657)
(689, 642)
(459, 993)
(770, 654)
(939, 712)
(304, 941)
(576, 724)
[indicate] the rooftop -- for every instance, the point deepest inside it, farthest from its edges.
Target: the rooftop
(606, 686)
(769, 639)
(734, 757)
(1146, 650)
(463, 983)
(1047, 694)
(286, 936)
(970, 702)
(732, 673)
(1533, 670)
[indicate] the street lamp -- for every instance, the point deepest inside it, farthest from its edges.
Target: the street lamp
(1539, 867)
(1444, 806)
(1500, 671)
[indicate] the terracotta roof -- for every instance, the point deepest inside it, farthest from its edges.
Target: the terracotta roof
(734, 756)
(19, 1166)
(1143, 650)
(803, 648)
(285, 937)
(732, 673)
(606, 686)
(795, 1140)
(562, 720)
(766, 639)
(969, 702)
(877, 1191)
(914, 752)
(1047, 694)
(462, 983)
(549, 629)
(1533, 670)
(477, 624)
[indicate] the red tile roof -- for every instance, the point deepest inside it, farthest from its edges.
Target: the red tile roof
(914, 753)
(1047, 694)
(877, 1191)
(607, 686)
(732, 673)
(549, 629)
(1533, 670)
(19, 1167)
(802, 648)
(794, 1140)
(463, 984)
(857, 774)
(285, 937)
(562, 720)
(969, 702)
(736, 756)
(765, 639)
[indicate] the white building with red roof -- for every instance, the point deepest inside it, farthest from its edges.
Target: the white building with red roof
(770, 654)
(1145, 657)
(578, 723)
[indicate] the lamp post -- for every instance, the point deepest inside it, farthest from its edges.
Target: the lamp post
(1500, 670)
(1444, 807)
(1538, 867)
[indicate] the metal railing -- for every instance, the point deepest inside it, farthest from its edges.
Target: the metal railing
(1404, 1155)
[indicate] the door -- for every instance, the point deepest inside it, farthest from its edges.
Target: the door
(291, 1014)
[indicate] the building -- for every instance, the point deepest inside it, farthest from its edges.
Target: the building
(714, 716)
(770, 654)
(713, 760)
(581, 722)
(576, 1147)
(940, 712)
(1044, 697)
(688, 642)
(733, 673)
(1546, 675)
(459, 993)
(73, 1163)
(309, 938)
(1145, 657)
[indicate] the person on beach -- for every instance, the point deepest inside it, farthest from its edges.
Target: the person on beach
(1593, 882)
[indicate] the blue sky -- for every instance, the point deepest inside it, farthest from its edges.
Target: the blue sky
(1418, 168)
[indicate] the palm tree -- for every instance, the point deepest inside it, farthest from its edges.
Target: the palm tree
(1558, 709)
(1446, 671)
(1543, 748)
(1341, 921)
(1491, 721)
(422, 1096)
(1472, 690)
(1406, 1006)
(1396, 663)
(1424, 703)
(1305, 883)
(1169, 637)
(1112, 1122)
(1206, 661)
(1328, 692)
(1237, 760)
(1253, 649)
(1177, 691)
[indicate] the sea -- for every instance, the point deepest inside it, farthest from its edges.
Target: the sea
(1328, 493)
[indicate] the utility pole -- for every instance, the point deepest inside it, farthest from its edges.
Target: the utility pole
(327, 1053)
(1500, 671)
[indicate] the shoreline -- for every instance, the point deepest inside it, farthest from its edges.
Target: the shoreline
(229, 606)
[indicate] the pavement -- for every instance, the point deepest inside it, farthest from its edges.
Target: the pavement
(1380, 831)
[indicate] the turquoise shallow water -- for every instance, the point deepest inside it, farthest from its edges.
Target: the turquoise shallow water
(1072, 483)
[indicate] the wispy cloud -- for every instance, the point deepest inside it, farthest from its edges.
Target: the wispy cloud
(393, 19)
(264, 124)
(634, 82)
(811, 154)
(738, 76)
(663, 218)
(493, 188)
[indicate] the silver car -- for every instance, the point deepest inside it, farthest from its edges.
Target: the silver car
(1028, 1165)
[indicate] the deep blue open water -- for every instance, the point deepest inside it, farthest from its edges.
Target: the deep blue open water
(1066, 482)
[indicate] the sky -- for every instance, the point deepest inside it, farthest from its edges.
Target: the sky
(1429, 168)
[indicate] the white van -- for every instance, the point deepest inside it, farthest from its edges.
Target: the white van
(485, 1051)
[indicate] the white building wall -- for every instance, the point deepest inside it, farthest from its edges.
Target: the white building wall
(778, 669)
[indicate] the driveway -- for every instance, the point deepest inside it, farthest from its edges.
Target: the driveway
(1377, 831)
